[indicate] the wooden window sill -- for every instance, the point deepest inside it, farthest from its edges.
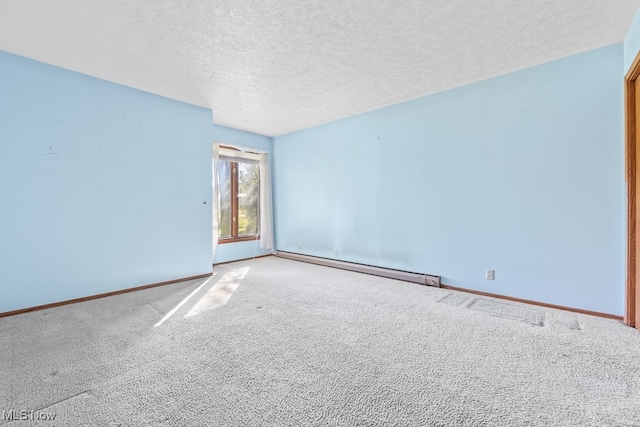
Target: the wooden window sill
(238, 239)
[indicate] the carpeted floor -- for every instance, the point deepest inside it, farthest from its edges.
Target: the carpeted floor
(274, 342)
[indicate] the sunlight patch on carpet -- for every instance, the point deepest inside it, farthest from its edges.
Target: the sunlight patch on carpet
(508, 311)
(183, 302)
(454, 299)
(571, 324)
(219, 294)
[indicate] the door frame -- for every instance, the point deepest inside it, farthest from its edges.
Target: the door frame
(630, 82)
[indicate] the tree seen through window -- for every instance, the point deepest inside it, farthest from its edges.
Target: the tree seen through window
(239, 191)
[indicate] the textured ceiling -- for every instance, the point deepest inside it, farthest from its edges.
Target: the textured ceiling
(275, 66)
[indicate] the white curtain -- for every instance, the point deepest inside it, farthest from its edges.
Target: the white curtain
(215, 199)
(266, 221)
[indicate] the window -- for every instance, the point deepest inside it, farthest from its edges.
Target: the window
(242, 196)
(239, 192)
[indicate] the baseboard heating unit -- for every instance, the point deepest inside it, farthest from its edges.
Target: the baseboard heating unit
(421, 278)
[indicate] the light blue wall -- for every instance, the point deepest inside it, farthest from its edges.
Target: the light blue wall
(632, 42)
(103, 187)
(522, 173)
(241, 250)
(228, 252)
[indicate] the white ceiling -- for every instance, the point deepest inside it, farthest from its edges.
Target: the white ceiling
(276, 66)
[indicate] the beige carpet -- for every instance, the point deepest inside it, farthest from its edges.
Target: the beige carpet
(273, 342)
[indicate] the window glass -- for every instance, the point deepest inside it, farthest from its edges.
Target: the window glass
(248, 195)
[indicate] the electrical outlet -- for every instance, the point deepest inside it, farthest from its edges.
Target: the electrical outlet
(335, 252)
(489, 274)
